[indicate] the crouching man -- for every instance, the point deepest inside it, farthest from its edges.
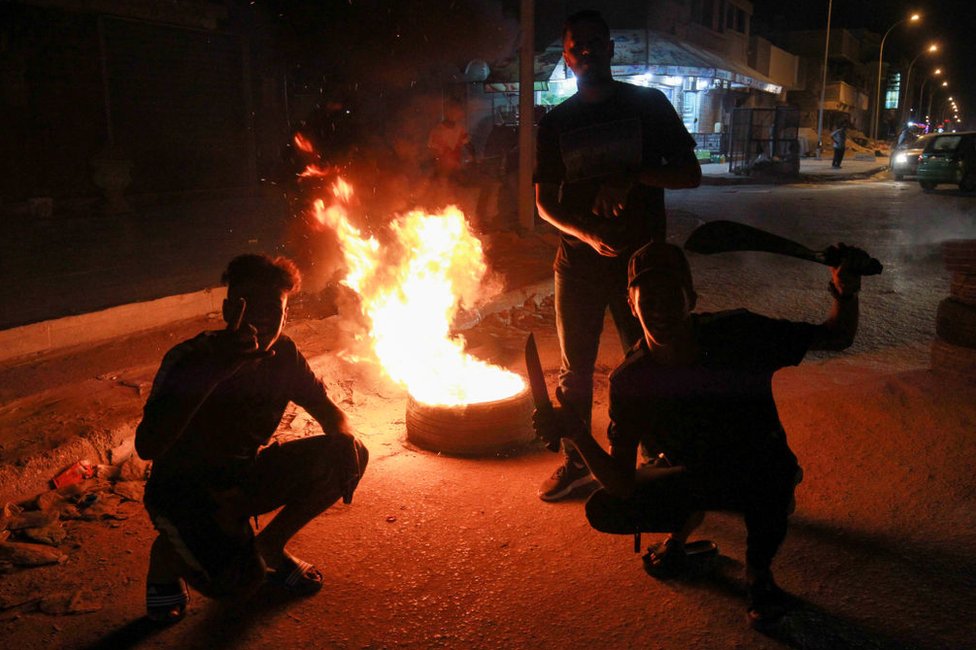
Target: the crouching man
(698, 390)
(215, 402)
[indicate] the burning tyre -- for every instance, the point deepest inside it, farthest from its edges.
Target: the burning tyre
(476, 429)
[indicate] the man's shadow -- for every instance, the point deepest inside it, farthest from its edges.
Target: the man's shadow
(219, 624)
(926, 569)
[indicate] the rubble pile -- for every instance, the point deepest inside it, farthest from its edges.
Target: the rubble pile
(37, 532)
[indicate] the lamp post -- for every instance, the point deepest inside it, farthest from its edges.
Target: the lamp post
(945, 84)
(921, 88)
(908, 80)
(877, 97)
(823, 84)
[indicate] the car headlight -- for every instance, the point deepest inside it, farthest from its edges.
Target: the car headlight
(900, 158)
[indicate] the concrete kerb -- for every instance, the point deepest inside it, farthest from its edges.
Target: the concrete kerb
(95, 327)
(32, 475)
(801, 178)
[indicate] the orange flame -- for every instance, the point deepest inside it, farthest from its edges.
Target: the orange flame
(303, 143)
(410, 290)
(314, 171)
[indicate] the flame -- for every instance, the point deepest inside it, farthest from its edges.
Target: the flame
(303, 143)
(410, 289)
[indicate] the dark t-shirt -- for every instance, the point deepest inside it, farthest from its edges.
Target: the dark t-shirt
(239, 416)
(718, 417)
(579, 145)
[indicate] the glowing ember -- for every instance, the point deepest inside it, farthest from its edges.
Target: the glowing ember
(411, 288)
(302, 143)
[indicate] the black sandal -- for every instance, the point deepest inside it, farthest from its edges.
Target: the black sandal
(767, 604)
(667, 559)
(166, 602)
(297, 577)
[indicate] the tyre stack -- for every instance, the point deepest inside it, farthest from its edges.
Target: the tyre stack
(954, 348)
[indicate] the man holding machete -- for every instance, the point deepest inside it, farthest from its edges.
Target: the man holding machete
(698, 388)
(604, 158)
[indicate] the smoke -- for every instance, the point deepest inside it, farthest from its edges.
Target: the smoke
(373, 77)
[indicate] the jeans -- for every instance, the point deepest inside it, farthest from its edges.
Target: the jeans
(838, 157)
(581, 305)
(665, 498)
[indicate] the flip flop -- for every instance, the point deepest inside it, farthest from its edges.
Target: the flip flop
(166, 602)
(297, 577)
(665, 560)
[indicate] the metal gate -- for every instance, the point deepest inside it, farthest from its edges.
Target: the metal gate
(765, 140)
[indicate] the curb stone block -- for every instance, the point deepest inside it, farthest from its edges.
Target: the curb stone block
(953, 361)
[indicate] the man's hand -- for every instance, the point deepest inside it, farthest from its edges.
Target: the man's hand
(611, 198)
(852, 262)
(558, 423)
(240, 341)
(605, 236)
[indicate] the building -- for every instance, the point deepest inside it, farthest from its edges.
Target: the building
(700, 54)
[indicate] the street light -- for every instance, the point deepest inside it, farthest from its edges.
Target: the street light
(914, 18)
(945, 84)
(921, 89)
(934, 47)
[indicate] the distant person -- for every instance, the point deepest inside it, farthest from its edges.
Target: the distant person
(605, 156)
(215, 402)
(449, 141)
(839, 137)
(698, 389)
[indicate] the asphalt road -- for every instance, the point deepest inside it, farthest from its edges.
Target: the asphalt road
(459, 553)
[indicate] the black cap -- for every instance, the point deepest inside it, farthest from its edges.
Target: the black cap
(659, 258)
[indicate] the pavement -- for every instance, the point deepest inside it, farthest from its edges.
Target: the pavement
(811, 170)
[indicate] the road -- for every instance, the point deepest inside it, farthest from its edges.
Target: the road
(459, 553)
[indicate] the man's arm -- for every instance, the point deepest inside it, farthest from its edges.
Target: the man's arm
(681, 171)
(615, 470)
(589, 228)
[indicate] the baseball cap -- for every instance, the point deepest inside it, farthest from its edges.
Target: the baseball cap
(660, 258)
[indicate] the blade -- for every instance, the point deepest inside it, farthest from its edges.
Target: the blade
(728, 236)
(537, 379)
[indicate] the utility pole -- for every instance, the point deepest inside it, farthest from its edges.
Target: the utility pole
(526, 193)
(823, 84)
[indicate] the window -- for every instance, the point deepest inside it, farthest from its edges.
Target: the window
(730, 17)
(740, 21)
(707, 13)
(892, 91)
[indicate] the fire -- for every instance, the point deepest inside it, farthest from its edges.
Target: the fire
(411, 287)
(303, 143)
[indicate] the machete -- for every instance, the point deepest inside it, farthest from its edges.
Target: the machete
(729, 236)
(537, 383)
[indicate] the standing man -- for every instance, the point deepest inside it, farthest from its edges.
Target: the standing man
(449, 140)
(215, 403)
(839, 136)
(698, 388)
(604, 158)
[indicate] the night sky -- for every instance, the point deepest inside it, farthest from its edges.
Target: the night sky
(951, 23)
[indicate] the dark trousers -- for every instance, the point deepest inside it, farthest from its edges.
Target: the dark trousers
(581, 305)
(838, 157)
(214, 540)
(666, 497)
